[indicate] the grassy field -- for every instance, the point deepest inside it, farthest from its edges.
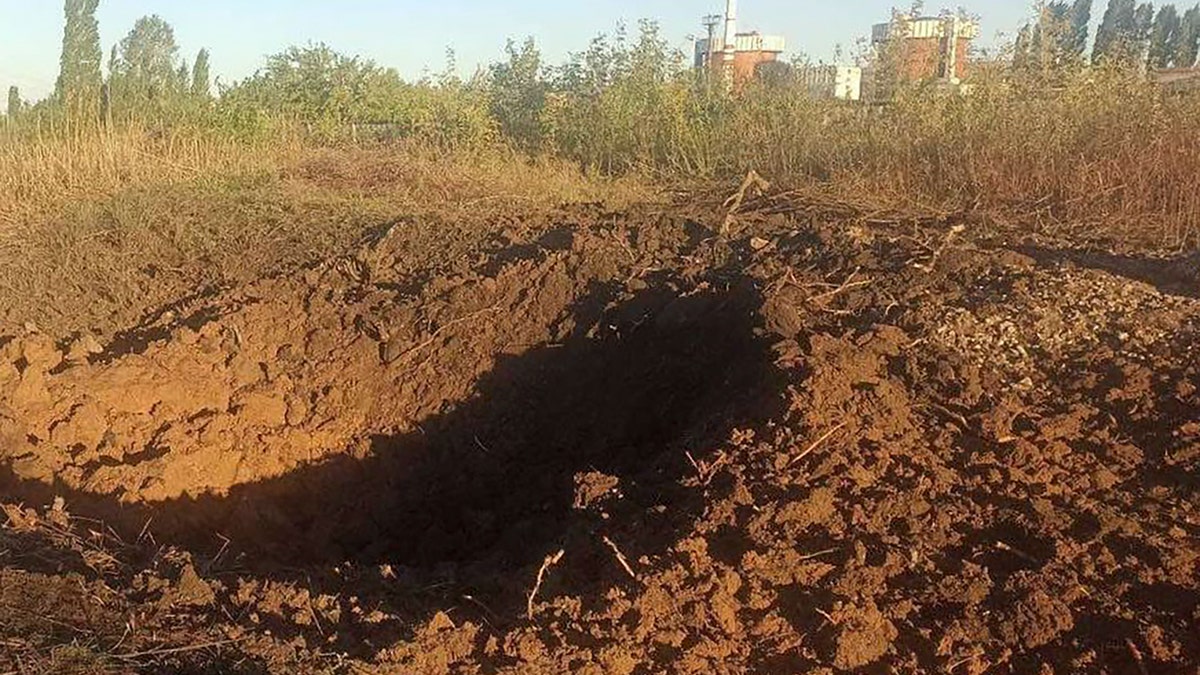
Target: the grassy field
(98, 227)
(97, 231)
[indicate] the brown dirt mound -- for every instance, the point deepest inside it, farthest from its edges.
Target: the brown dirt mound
(802, 447)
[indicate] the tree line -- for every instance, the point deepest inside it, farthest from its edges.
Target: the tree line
(1129, 33)
(618, 79)
(146, 77)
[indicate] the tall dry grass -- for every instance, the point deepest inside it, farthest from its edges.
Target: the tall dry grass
(1099, 153)
(38, 171)
(97, 231)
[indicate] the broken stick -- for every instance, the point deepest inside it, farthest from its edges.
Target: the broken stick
(621, 558)
(817, 443)
(550, 561)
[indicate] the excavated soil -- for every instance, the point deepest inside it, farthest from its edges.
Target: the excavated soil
(622, 443)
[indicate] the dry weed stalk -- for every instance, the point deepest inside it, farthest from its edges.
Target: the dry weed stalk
(753, 181)
(621, 558)
(550, 561)
(817, 443)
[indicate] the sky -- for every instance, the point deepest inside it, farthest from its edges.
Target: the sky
(414, 36)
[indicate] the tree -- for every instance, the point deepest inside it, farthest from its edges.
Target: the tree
(14, 103)
(1164, 38)
(519, 93)
(1057, 38)
(1188, 45)
(144, 67)
(775, 74)
(1117, 32)
(201, 79)
(1080, 16)
(1022, 56)
(79, 79)
(1143, 23)
(318, 85)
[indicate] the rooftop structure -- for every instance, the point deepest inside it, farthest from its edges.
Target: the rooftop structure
(735, 55)
(929, 47)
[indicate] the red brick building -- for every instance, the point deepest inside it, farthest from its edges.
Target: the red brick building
(929, 47)
(750, 51)
(735, 55)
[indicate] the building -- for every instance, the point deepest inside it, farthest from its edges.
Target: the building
(735, 55)
(927, 47)
(832, 82)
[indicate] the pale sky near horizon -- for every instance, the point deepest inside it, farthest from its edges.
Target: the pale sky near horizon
(413, 36)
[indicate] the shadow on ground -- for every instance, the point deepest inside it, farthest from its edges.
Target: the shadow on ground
(1175, 276)
(469, 506)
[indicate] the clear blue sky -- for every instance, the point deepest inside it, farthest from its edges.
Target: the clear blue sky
(413, 36)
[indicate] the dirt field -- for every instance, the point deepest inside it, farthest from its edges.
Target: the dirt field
(803, 440)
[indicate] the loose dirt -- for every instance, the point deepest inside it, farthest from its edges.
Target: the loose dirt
(820, 442)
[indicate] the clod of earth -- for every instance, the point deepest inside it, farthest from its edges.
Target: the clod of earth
(786, 449)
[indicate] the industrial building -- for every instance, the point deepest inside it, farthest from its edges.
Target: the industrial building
(928, 47)
(832, 82)
(736, 56)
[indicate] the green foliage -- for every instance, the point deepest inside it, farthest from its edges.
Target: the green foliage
(333, 95)
(1164, 38)
(144, 72)
(201, 85)
(79, 80)
(620, 106)
(1117, 33)
(1188, 46)
(1080, 17)
(1143, 22)
(14, 103)
(1057, 39)
(518, 94)
(319, 87)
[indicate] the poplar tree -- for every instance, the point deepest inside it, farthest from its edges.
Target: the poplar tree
(201, 78)
(1164, 38)
(144, 71)
(1117, 30)
(79, 79)
(1188, 45)
(14, 103)
(1080, 16)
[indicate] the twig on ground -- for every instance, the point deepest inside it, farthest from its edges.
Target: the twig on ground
(1008, 548)
(846, 285)
(954, 232)
(621, 558)
(817, 443)
(550, 561)
(433, 338)
(705, 471)
(145, 530)
(962, 661)
(220, 552)
(734, 203)
(478, 603)
(818, 554)
(176, 650)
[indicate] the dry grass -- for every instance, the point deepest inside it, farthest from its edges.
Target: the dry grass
(94, 231)
(1093, 155)
(1097, 153)
(38, 173)
(95, 234)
